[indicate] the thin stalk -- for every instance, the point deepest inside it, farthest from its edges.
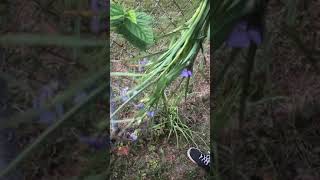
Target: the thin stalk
(246, 82)
(225, 68)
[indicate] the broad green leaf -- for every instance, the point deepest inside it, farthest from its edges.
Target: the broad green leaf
(117, 14)
(131, 15)
(139, 34)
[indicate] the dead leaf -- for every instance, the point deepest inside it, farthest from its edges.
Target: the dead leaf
(123, 151)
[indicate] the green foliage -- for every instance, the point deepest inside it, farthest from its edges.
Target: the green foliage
(117, 14)
(134, 26)
(168, 66)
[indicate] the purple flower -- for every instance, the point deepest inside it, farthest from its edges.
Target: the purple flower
(186, 73)
(123, 94)
(142, 64)
(243, 34)
(139, 106)
(133, 137)
(150, 113)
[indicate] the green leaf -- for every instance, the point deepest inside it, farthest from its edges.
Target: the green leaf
(117, 14)
(140, 34)
(125, 74)
(131, 15)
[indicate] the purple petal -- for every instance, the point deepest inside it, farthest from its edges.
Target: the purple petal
(123, 94)
(133, 137)
(189, 73)
(150, 113)
(239, 38)
(186, 73)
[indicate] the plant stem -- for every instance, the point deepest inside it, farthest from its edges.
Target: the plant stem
(246, 82)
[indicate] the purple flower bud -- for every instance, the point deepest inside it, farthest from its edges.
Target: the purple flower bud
(186, 73)
(150, 113)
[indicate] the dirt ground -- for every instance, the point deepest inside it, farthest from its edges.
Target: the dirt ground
(154, 157)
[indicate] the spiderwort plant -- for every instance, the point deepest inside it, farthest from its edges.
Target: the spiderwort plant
(238, 24)
(175, 62)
